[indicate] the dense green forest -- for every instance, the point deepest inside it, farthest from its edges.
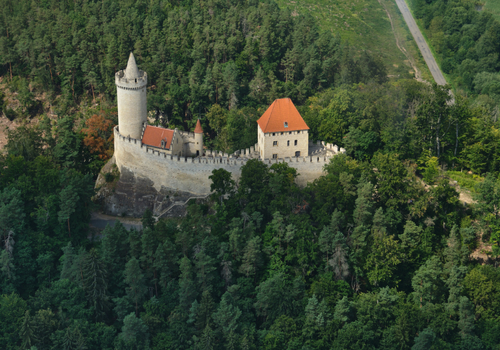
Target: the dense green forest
(196, 53)
(466, 39)
(375, 254)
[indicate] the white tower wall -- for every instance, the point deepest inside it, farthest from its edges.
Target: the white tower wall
(131, 99)
(132, 111)
(198, 141)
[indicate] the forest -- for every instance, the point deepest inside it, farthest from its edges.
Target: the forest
(381, 252)
(465, 37)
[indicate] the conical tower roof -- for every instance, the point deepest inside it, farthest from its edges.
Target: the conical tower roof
(198, 129)
(131, 72)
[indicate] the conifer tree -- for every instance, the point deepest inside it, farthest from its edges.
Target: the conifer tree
(187, 287)
(134, 277)
(28, 331)
(95, 282)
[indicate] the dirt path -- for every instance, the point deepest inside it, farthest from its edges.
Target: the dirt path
(100, 221)
(421, 43)
(418, 75)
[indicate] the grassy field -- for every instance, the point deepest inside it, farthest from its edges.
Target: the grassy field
(366, 25)
(465, 180)
(494, 7)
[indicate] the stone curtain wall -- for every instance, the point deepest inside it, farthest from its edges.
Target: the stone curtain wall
(188, 174)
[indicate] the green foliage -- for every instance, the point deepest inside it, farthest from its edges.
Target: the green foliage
(365, 256)
(12, 311)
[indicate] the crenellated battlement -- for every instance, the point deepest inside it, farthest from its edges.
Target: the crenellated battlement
(190, 174)
(125, 83)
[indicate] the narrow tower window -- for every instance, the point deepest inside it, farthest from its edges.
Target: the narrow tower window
(295, 143)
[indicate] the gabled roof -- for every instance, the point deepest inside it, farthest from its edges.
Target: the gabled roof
(280, 113)
(198, 129)
(153, 136)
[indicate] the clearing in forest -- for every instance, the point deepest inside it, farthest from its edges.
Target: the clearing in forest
(374, 25)
(494, 7)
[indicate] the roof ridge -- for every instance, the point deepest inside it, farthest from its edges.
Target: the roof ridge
(271, 113)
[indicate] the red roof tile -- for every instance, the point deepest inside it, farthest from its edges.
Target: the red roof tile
(153, 136)
(198, 129)
(282, 111)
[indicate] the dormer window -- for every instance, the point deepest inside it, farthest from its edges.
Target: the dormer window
(286, 124)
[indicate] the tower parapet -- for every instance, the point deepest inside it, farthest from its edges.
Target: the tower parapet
(131, 99)
(131, 78)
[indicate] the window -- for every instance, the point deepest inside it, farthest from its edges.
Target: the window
(281, 133)
(290, 133)
(275, 156)
(288, 143)
(275, 143)
(286, 124)
(297, 154)
(273, 133)
(295, 143)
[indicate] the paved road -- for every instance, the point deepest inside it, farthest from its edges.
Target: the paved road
(422, 45)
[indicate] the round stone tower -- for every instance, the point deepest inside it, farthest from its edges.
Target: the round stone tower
(198, 139)
(131, 99)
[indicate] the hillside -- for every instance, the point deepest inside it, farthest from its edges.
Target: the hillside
(367, 26)
(492, 6)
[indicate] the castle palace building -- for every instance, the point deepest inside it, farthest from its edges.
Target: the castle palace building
(282, 132)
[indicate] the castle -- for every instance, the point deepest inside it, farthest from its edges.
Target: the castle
(158, 165)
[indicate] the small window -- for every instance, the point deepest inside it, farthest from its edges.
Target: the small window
(275, 143)
(290, 133)
(273, 134)
(297, 154)
(295, 143)
(275, 156)
(288, 143)
(286, 124)
(281, 133)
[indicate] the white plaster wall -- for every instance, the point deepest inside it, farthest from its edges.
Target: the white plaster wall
(198, 144)
(192, 143)
(260, 141)
(132, 111)
(177, 144)
(282, 149)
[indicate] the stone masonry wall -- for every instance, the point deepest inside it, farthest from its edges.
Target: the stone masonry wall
(190, 175)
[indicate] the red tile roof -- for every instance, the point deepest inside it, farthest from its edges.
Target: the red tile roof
(198, 129)
(153, 136)
(280, 112)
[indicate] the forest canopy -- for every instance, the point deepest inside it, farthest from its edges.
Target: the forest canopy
(381, 252)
